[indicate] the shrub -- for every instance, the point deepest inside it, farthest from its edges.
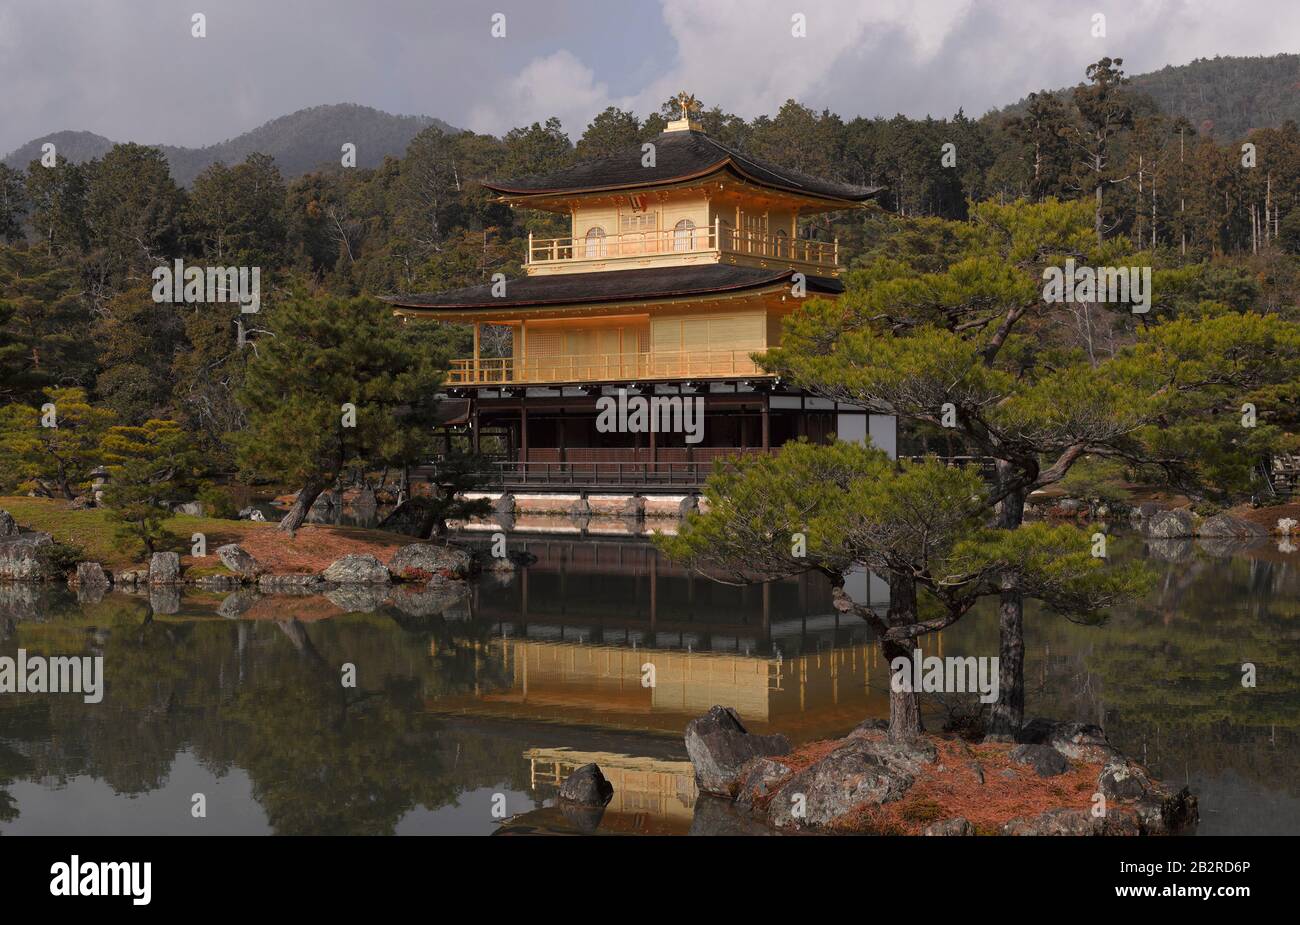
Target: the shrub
(60, 558)
(218, 502)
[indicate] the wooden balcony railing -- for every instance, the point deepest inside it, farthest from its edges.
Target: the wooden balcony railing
(608, 367)
(685, 241)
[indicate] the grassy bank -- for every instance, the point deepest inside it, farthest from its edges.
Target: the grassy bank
(312, 549)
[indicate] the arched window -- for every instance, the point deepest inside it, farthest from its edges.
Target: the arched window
(684, 235)
(596, 241)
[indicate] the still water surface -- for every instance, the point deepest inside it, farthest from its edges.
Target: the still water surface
(466, 704)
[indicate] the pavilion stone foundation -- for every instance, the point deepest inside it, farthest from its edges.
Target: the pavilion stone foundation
(597, 505)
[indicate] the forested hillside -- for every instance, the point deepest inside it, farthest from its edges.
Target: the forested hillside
(299, 142)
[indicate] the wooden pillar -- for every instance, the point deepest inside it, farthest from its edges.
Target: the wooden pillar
(523, 432)
(477, 336)
(474, 424)
(654, 589)
(767, 428)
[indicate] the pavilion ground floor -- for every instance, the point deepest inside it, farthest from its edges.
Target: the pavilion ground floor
(591, 438)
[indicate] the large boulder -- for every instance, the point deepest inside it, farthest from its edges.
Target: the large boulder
(758, 780)
(714, 816)
(435, 598)
(1171, 525)
(239, 560)
(957, 825)
(1159, 811)
(719, 746)
(164, 568)
(190, 508)
(422, 561)
(1227, 525)
(356, 569)
(21, 558)
(354, 598)
(587, 786)
(862, 772)
(91, 575)
(1045, 760)
(8, 526)
(1080, 741)
(165, 599)
(1073, 822)
(290, 584)
(237, 604)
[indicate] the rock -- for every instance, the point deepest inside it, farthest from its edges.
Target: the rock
(504, 505)
(237, 604)
(290, 584)
(355, 598)
(688, 505)
(633, 507)
(1072, 822)
(1080, 741)
(20, 602)
(957, 825)
(82, 503)
(422, 561)
(580, 508)
(356, 569)
(716, 816)
(92, 594)
(192, 508)
(1171, 550)
(869, 727)
(1226, 525)
(1122, 779)
(239, 560)
(252, 512)
(164, 599)
(587, 786)
(1162, 813)
(216, 582)
(1171, 525)
(164, 568)
(130, 578)
(758, 780)
(1045, 760)
(90, 575)
(1070, 505)
(21, 559)
(860, 772)
(507, 563)
(491, 563)
(582, 819)
(8, 526)
(719, 747)
(436, 598)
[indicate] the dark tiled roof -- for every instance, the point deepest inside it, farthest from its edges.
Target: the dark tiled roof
(678, 156)
(613, 286)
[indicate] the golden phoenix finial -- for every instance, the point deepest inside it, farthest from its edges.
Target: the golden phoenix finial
(689, 104)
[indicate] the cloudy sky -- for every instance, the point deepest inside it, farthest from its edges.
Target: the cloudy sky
(130, 69)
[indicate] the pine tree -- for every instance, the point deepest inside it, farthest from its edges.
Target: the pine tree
(336, 384)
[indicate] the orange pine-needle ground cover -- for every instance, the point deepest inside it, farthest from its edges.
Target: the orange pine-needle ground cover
(951, 787)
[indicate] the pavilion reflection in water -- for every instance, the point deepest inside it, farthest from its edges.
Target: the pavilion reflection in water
(577, 635)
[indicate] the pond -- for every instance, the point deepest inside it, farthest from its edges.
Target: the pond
(469, 709)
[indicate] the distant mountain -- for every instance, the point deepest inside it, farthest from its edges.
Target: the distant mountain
(1228, 96)
(1222, 96)
(299, 142)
